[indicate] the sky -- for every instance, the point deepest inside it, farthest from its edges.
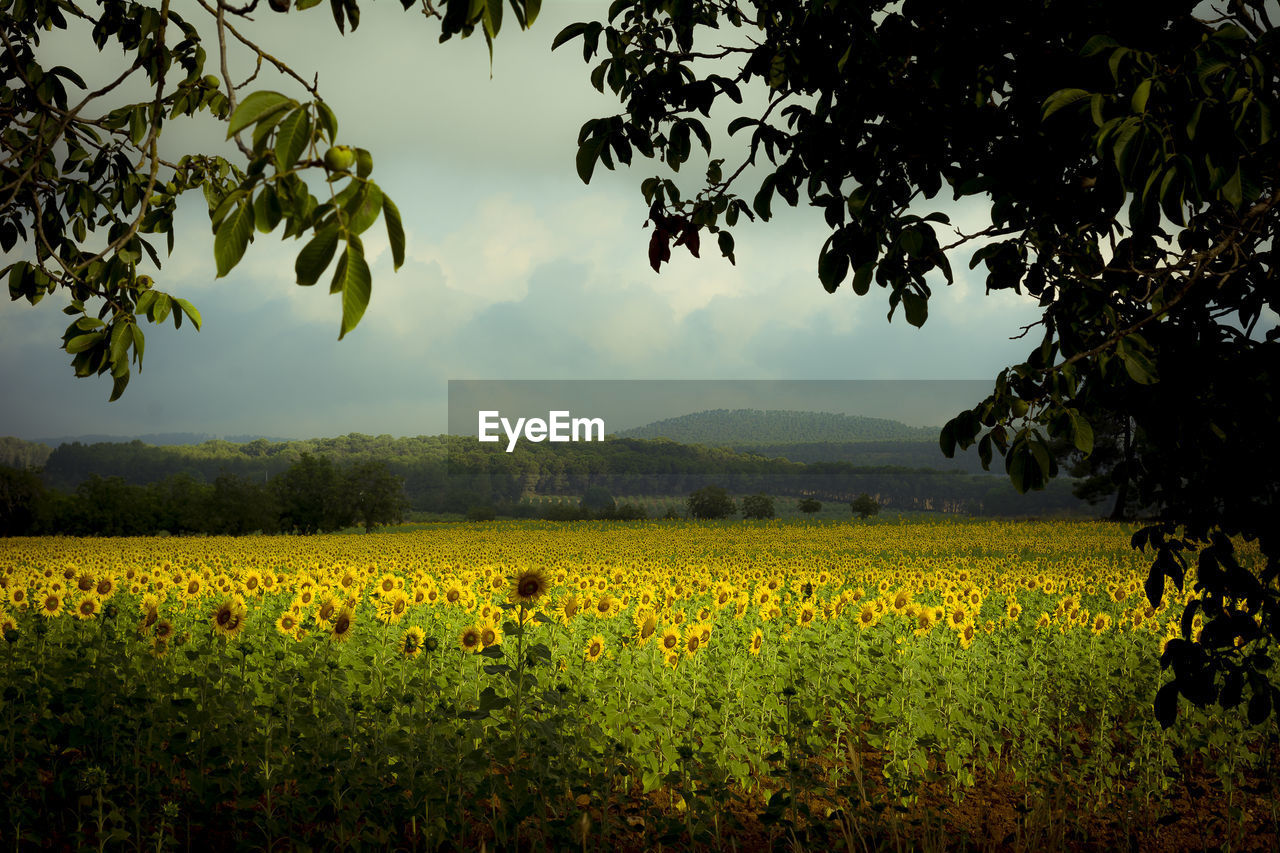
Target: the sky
(515, 269)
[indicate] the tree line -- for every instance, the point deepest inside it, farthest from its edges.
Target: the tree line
(313, 495)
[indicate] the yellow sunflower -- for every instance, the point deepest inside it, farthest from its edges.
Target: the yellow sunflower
(595, 647)
(343, 624)
(757, 642)
(470, 640)
(412, 641)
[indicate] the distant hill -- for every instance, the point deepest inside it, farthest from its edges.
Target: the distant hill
(156, 439)
(757, 427)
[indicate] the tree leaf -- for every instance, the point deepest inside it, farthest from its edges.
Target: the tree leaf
(292, 138)
(254, 108)
(395, 230)
(916, 307)
(1081, 432)
(190, 311)
(232, 239)
(356, 285)
(315, 256)
(1062, 98)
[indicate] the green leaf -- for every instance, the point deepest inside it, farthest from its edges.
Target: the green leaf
(588, 153)
(80, 343)
(364, 208)
(356, 285)
(1140, 96)
(1232, 190)
(833, 266)
(1081, 432)
(862, 278)
(395, 230)
(266, 210)
(120, 341)
(256, 107)
(916, 306)
(292, 138)
(568, 33)
(1061, 98)
(315, 256)
(232, 239)
(190, 311)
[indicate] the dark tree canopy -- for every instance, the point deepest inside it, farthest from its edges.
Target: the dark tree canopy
(711, 502)
(1125, 154)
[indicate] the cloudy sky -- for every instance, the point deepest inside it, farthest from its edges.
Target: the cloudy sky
(515, 270)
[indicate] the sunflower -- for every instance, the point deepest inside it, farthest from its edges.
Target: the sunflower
(18, 597)
(1101, 622)
(646, 625)
(88, 607)
(228, 617)
(7, 624)
(106, 588)
(967, 633)
(606, 606)
(470, 640)
(85, 582)
(901, 601)
(327, 609)
(50, 604)
(454, 594)
(253, 583)
(757, 641)
(867, 615)
(342, 625)
(387, 584)
(1014, 611)
(411, 642)
(490, 635)
(287, 623)
(164, 631)
(692, 640)
(595, 648)
(528, 586)
(806, 615)
(670, 639)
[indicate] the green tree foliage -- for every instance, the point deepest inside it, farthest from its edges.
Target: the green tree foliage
(22, 498)
(597, 500)
(864, 506)
(376, 495)
(1126, 158)
(758, 505)
(711, 502)
(88, 195)
(810, 505)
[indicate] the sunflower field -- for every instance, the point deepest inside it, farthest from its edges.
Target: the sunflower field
(610, 686)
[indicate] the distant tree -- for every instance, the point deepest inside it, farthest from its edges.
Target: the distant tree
(810, 505)
(481, 512)
(673, 513)
(22, 498)
(628, 511)
(711, 502)
(598, 500)
(864, 506)
(312, 496)
(182, 504)
(758, 505)
(238, 506)
(376, 495)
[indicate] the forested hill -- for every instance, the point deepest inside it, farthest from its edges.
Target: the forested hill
(453, 473)
(751, 427)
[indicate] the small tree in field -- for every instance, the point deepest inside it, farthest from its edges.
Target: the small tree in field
(758, 505)
(864, 505)
(810, 505)
(711, 502)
